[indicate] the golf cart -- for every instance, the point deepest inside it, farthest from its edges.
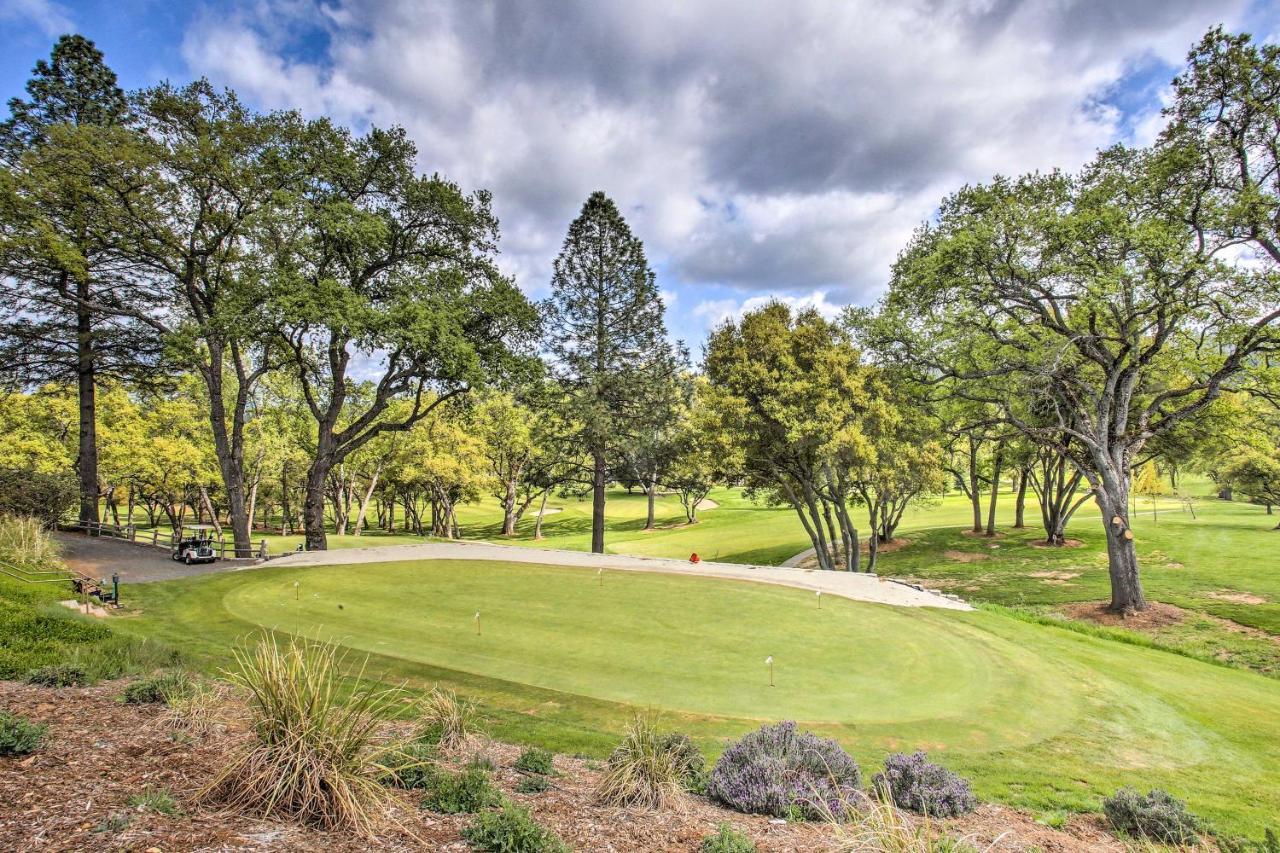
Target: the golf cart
(195, 544)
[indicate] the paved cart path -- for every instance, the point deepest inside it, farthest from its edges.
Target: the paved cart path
(859, 587)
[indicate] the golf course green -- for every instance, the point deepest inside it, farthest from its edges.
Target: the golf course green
(1040, 716)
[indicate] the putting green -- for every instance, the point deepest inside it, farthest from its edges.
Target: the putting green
(679, 644)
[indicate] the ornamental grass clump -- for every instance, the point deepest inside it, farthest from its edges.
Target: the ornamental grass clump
(1156, 816)
(311, 755)
(446, 720)
(781, 771)
(649, 769)
(913, 782)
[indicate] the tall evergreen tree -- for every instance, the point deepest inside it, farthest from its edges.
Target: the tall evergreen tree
(606, 336)
(57, 246)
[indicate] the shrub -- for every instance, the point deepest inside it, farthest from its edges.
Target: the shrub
(19, 736)
(727, 840)
(532, 785)
(466, 792)
(158, 688)
(24, 540)
(59, 675)
(155, 800)
(409, 765)
(46, 497)
(535, 759)
(1156, 816)
(309, 759)
(483, 761)
(512, 830)
(446, 720)
(779, 770)
(913, 782)
(648, 769)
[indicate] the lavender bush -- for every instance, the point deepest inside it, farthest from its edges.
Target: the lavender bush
(782, 771)
(1156, 815)
(915, 783)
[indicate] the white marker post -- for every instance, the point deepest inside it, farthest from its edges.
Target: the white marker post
(819, 599)
(769, 661)
(297, 592)
(600, 576)
(477, 623)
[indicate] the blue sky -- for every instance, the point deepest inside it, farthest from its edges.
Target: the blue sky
(761, 151)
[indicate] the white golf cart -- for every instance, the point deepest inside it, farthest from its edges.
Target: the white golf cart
(195, 544)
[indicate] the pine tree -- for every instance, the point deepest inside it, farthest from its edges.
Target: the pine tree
(57, 256)
(607, 338)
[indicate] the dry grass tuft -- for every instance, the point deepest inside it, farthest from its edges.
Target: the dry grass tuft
(24, 540)
(311, 756)
(446, 720)
(196, 712)
(644, 770)
(878, 826)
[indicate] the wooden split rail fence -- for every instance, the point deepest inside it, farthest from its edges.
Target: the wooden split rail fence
(160, 539)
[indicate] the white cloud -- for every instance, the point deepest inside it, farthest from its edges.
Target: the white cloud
(785, 148)
(51, 18)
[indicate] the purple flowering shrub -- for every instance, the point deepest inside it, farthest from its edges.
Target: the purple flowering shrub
(915, 783)
(1156, 815)
(781, 771)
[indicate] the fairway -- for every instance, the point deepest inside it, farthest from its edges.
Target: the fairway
(563, 660)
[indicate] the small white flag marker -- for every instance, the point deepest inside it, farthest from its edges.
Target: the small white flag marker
(769, 661)
(819, 599)
(477, 623)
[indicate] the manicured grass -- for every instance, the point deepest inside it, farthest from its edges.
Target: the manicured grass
(1040, 716)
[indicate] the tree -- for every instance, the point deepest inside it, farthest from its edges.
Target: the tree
(58, 249)
(1255, 472)
(792, 393)
(607, 338)
(702, 454)
(387, 264)
(1092, 297)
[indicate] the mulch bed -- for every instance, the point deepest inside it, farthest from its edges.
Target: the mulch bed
(99, 752)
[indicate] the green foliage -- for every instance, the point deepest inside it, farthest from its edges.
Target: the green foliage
(1155, 815)
(409, 765)
(465, 792)
(59, 675)
(158, 688)
(19, 736)
(727, 840)
(532, 784)
(511, 829)
(45, 496)
(1270, 843)
(535, 759)
(156, 800)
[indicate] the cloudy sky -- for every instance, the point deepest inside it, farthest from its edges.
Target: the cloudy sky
(760, 149)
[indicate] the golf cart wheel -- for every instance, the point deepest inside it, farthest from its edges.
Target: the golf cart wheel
(187, 559)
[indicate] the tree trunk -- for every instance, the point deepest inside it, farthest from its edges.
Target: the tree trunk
(542, 511)
(995, 491)
(509, 509)
(314, 501)
(87, 456)
(651, 491)
(1020, 505)
(227, 446)
(597, 502)
(1122, 556)
(975, 492)
(364, 502)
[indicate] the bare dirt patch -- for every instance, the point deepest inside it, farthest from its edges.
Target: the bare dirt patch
(1045, 543)
(864, 548)
(1156, 615)
(89, 609)
(1237, 597)
(99, 753)
(965, 556)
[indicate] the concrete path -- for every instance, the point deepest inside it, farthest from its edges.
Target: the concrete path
(799, 558)
(859, 587)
